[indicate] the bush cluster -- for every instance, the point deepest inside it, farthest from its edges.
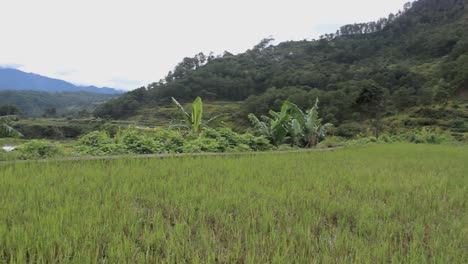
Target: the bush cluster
(428, 136)
(332, 142)
(39, 149)
(139, 141)
(418, 136)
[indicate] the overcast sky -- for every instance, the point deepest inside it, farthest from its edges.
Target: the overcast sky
(131, 43)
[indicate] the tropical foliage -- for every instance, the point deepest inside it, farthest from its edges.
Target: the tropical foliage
(5, 127)
(291, 123)
(193, 120)
(39, 149)
(149, 141)
(416, 57)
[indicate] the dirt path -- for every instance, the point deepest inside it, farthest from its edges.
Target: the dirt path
(147, 156)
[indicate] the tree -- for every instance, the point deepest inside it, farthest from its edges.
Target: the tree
(264, 43)
(9, 109)
(50, 112)
(371, 102)
(84, 113)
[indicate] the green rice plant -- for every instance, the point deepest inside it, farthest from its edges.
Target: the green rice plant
(385, 203)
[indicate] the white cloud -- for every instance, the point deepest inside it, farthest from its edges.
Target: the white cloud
(139, 41)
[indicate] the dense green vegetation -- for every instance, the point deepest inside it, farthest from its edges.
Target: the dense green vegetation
(150, 141)
(403, 78)
(193, 121)
(5, 127)
(299, 128)
(69, 128)
(290, 128)
(38, 104)
(367, 71)
(387, 203)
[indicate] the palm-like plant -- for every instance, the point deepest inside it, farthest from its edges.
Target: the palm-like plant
(293, 122)
(6, 130)
(314, 130)
(275, 127)
(193, 120)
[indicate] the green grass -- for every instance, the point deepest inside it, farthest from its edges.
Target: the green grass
(383, 203)
(11, 141)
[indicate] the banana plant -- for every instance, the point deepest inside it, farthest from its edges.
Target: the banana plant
(5, 129)
(296, 125)
(314, 130)
(296, 131)
(300, 126)
(193, 120)
(275, 127)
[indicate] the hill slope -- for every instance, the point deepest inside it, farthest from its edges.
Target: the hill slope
(418, 56)
(35, 103)
(13, 79)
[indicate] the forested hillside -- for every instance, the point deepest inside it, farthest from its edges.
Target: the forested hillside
(417, 56)
(37, 104)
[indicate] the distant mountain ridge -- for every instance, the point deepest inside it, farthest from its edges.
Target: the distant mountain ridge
(13, 79)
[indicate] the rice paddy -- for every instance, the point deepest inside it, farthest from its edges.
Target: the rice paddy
(383, 203)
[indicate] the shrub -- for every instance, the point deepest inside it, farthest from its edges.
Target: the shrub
(285, 147)
(110, 128)
(96, 139)
(240, 148)
(202, 144)
(332, 142)
(350, 130)
(260, 143)
(429, 136)
(39, 149)
(138, 143)
(229, 140)
(170, 141)
(99, 143)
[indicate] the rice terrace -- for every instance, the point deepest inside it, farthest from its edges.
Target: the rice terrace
(237, 133)
(397, 203)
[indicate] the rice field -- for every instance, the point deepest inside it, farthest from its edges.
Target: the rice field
(398, 203)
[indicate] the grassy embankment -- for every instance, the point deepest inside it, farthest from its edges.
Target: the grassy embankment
(398, 203)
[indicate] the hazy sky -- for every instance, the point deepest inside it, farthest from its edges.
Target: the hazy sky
(128, 44)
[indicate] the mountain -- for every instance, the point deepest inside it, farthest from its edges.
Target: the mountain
(37, 103)
(13, 79)
(415, 57)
